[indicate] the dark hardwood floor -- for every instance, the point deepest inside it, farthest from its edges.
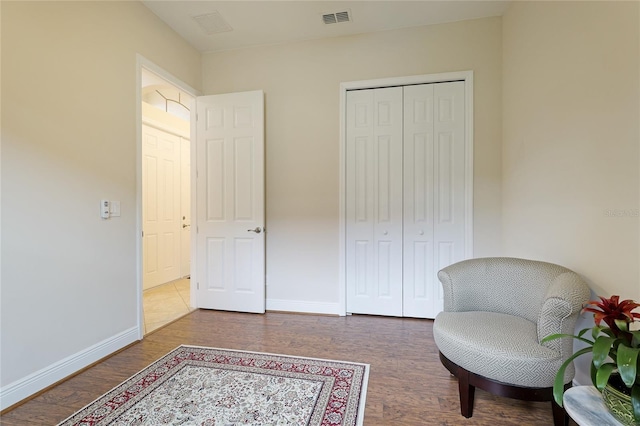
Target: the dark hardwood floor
(407, 384)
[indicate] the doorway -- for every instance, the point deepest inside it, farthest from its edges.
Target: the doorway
(165, 198)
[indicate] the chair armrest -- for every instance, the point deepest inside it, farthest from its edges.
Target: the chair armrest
(563, 302)
(454, 297)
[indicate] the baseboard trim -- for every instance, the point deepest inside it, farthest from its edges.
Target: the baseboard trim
(303, 307)
(21, 389)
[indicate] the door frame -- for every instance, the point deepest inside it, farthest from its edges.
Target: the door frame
(467, 77)
(142, 62)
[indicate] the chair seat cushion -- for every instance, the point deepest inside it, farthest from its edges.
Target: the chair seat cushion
(497, 346)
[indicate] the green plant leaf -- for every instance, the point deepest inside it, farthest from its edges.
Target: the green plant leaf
(595, 332)
(561, 335)
(558, 383)
(635, 402)
(583, 331)
(598, 329)
(602, 375)
(627, 359)
(593, 371)
(601, 348)
(622, 324)
(635, 339)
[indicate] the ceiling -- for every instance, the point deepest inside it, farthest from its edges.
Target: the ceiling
(266, 22)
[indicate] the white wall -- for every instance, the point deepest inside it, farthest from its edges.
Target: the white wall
(301, 83)
(571, 139)
(69, 289)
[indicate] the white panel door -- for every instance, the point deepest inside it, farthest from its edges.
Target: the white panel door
(374, 201)
(230, 202)
(419, 277)
(160, 206)
(449, 180)
(434, 191)
(185, 207)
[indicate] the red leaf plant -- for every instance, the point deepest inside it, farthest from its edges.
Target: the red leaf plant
(614, 313)
(615, 348)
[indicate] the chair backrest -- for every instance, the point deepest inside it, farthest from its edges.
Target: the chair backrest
(499, 284)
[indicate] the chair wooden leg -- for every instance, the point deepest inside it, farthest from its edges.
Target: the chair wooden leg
(467, 393)
(560, 416)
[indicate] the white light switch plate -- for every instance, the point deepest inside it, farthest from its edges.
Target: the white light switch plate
(115, 208)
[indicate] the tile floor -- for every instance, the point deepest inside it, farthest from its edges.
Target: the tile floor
(165, 303)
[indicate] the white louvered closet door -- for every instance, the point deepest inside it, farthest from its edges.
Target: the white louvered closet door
(374, 201)
(405, 196)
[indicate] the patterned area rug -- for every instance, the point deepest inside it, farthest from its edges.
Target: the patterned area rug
(218, 387)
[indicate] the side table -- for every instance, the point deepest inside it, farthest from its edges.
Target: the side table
(584, 405)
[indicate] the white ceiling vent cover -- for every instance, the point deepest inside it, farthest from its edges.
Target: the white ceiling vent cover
(212, 23)
(337, 17)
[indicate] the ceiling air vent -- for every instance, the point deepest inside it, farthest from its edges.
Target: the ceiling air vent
(337, 17)
(212, 23)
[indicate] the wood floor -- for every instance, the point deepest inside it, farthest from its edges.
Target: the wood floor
(407, 384)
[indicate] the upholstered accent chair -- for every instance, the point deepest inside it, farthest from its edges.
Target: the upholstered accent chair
(496, 311)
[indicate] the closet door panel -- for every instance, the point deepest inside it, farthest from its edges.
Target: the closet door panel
(449, 188)
(434, 191)
(360, 225)
(418, 254)
(374, 201)
(449, 196)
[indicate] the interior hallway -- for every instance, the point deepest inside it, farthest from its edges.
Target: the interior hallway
(165, 303)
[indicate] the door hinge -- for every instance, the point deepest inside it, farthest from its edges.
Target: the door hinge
(143, 233)
(198, 286)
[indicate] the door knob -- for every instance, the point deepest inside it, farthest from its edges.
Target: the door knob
(257, 230)
(184, 225)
